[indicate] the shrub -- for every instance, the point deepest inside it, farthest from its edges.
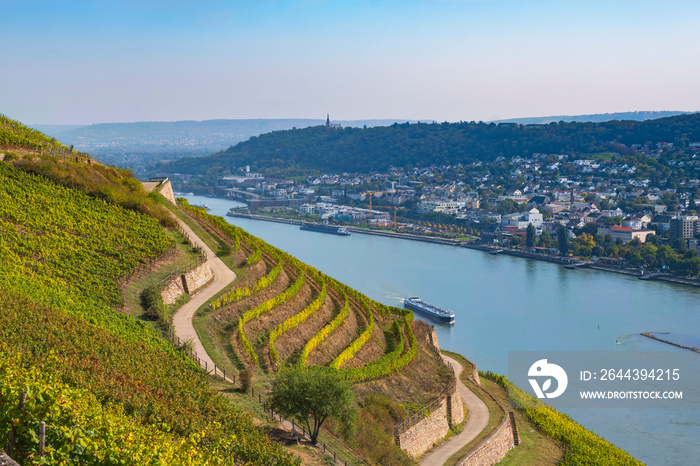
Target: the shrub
(152, 302)
(246, 377)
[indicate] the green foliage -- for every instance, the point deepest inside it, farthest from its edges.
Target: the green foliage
(316, 149)
(390, 362)
(61, 237)
(355, 346)
(62, 253)
(240, 293)
(585, 447)
(295, 320)
(152, 302)
(563, 240)
(81, 430)
(253, 258)
(374, 432)
(311, 395)
(324, 332)
(387, 365)
(531, 235)
(266, 307)
(14, 134)
(112, 185)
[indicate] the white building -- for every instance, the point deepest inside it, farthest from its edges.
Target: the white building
(448, 207)
(306, 209)
(522, 220)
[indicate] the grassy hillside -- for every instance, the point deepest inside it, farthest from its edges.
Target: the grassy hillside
(321, 150)
(14, 134)
(37, 153)
(69, 229)
(62, 252)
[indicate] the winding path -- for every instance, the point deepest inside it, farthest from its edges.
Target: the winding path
(478, 412)
(477, 419)
(182, 320)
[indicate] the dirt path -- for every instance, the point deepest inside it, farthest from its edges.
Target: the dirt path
(477, 419)
(182, 320)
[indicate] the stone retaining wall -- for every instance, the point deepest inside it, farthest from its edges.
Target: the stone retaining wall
(188, 283)
(166, 189)
(426, 432)
(198, 277)
(455, 408)
(173, 291)
(493, 449)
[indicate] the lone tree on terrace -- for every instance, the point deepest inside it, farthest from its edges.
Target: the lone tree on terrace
(312, 395)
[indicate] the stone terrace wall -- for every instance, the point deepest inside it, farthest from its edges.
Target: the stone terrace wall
(455, 407)
(493, 449)
(198, 277)
(474, 376)
(188, 283)
(173, 291)
(166, 189)
(421, 436)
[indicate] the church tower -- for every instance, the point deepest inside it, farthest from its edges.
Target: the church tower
(328, 119)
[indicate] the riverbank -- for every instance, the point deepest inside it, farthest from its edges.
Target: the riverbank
(567, 262)
(363, 231)
(572, 263)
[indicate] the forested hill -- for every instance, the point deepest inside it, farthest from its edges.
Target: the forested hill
(321, 149)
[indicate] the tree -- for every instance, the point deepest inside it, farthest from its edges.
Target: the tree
(545, 240)
(563, 238)
(312, 395)
(531, 235)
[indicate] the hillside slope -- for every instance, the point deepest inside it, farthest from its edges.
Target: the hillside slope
(320, 149)
(62, 252)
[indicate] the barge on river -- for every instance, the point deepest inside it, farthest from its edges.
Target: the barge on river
(442, 316)
(332, 229)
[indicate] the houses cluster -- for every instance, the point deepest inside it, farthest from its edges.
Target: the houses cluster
(617, 194)
(341, 213)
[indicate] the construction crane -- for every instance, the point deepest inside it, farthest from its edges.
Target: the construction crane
(370, 194)
(393, 207)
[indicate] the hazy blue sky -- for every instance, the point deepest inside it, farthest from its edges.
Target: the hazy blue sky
(81, 62)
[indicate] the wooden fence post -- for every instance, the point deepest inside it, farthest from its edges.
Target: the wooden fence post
(11, 441)
(42, 438)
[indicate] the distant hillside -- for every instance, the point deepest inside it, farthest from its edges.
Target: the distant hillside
(55, 130)
(134, 145)
(320, 149)
(593, 118)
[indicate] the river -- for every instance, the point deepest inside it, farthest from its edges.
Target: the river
(507, 304)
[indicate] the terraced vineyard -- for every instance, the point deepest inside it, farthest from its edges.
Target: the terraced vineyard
(288, 313)
(14, 134)
(109, 389)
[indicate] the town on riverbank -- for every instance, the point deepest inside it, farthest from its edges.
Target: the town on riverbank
(631, 209)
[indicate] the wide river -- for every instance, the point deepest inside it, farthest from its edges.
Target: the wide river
(507, 304)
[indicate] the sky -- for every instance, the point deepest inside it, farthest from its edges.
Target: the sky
(84, 62)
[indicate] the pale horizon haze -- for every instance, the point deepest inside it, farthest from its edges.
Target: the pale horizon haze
(84, 62)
